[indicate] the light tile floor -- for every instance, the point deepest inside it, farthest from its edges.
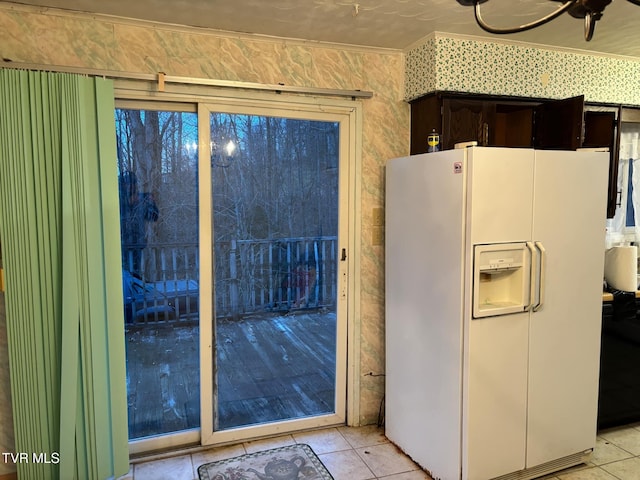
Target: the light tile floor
(616, 457)
(364, 453)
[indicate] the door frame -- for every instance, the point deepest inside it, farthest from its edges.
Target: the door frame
(142, 93)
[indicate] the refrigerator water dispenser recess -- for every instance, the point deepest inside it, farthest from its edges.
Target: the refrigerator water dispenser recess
(501, 279)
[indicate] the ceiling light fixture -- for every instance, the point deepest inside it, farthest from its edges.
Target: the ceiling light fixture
(590, 10)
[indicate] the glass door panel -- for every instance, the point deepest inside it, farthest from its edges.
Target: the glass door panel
(277, 351)
(157, 168)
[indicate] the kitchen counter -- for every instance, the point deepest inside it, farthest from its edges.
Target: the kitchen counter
(608, 296)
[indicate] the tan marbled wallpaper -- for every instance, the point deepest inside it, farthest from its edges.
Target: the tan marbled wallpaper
(57, 38)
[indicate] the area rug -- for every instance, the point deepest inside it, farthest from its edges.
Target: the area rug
(293, 462)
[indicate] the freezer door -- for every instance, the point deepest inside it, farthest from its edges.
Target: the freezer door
(495, 406)
(424, 305)
(500, 204)
(569, 224)
(500, 194)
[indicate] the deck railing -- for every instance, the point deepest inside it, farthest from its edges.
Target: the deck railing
(250, 276)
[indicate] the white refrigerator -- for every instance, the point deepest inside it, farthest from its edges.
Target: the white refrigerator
(494, 268)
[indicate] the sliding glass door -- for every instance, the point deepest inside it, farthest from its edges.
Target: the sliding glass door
(273, 353)
(234, 272)
(157, 171)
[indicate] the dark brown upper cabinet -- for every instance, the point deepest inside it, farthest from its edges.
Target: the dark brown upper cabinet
(515, 122)
(496, 121)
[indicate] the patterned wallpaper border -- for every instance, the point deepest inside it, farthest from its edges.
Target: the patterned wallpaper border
(518, 69)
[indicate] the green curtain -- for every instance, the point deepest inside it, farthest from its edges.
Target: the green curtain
(59, 222)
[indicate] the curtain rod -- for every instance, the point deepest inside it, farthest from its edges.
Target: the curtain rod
(161, 78)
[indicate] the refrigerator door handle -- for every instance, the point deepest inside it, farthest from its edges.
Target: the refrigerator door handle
(532, 282)
(543, 268)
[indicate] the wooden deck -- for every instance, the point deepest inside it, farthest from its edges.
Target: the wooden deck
(270, 367)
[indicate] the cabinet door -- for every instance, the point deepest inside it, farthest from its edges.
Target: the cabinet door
(467, 120)
(601, 129)
(558, 124)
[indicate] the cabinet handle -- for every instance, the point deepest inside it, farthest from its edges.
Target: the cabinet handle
(619, 198)
(485, 134)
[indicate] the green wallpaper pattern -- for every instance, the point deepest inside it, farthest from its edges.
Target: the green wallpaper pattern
(471, 64)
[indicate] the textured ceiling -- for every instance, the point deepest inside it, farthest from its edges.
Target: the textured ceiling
(396, 24)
